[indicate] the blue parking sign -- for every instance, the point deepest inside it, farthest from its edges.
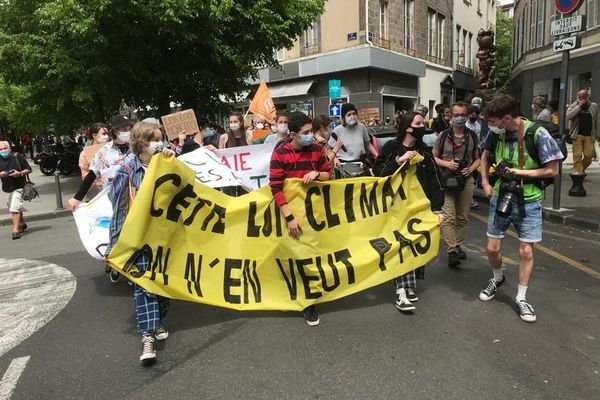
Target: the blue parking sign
(335, 110)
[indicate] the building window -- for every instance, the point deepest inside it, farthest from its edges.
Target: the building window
(409, 23)
(479, 5)
(464, 49)
(458, 46)
(383, 20)
(436, 24)
(311, 35)
(280, 55)
(533, 24)
(470, 51)
(541, 16)
(593, 14)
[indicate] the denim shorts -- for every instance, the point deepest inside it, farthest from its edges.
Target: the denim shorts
(529, 229)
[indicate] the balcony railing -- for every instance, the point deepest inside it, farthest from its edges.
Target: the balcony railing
(310, 49)
(383, 43)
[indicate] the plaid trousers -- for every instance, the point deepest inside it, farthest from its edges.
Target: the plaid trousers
(150, 309)
(409, 280)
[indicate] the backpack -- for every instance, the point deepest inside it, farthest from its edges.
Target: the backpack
(554, 131)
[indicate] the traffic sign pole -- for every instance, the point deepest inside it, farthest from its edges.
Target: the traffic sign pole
(562, 104)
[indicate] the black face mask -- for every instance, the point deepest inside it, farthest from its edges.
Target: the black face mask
(418, 133)
(472, 119)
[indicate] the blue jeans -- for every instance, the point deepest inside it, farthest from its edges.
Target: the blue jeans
(529, 229)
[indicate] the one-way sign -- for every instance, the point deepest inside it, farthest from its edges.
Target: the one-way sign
(565, 44)
(335, 110)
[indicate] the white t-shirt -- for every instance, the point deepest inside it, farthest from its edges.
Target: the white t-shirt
(354, 139)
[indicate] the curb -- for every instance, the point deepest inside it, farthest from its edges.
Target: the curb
(6, 221)
(557, 217)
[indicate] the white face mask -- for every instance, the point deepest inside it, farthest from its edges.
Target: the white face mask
(282, 128)
(351, 120)
(103, 138)
(124, 136)
(260, 125)
(234, 127)
(155, 147)
(496, 130)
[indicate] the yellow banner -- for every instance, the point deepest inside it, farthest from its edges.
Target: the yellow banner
(235, 252)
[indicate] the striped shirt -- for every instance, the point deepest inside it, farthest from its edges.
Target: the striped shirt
(286, 162)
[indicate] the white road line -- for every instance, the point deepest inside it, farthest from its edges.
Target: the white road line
(31, 294)
(11, 376)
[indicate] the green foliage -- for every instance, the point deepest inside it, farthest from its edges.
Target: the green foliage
(76, 60)
(504, 33)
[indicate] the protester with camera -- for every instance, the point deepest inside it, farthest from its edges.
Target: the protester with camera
(456, 153)
(584, 118)
(516, 196)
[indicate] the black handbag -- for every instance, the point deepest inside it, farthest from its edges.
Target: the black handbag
(454, 180)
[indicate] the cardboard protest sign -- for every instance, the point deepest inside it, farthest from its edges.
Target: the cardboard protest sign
(180, 121)
(236, 252)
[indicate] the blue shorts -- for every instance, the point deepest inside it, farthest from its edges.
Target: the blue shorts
(529, 229)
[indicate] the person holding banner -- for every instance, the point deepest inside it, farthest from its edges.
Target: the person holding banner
(150, 309)
(97, 134)
(395, 154)
(301, 158)
(105, 164)
(235, 135)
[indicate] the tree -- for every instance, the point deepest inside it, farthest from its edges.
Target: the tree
(79, 59)
(504, 32)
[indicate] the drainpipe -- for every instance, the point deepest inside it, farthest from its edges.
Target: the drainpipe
(367, 24)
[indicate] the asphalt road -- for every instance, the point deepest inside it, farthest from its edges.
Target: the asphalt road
(453, 347)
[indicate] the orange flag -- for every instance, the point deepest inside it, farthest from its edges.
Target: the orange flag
(262, 104)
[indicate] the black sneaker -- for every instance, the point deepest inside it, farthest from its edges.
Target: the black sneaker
(114, 276)
(22, 228)
(411, 295)
(311, 316)
(490, 291)
(453, 259)
(461, 254)
(525, 311)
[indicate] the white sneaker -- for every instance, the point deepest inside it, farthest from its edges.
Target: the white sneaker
(161, 333)
(148, 349)
(403, 304)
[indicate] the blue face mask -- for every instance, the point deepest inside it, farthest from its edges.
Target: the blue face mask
(208, 133)
(306, 140)
(5, 153)
(459, 121)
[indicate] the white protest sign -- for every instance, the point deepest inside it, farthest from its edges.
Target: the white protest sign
(210, 170)
(93, 221)
(250, 163)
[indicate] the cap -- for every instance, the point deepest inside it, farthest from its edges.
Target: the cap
(119, 121)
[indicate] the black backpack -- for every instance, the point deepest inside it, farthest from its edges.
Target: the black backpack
(554, 131)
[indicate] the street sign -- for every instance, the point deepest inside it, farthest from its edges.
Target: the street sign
(352, 36)
(567, 6)
(335, 88)
(335, 110)
(565, 44)
(568, 25)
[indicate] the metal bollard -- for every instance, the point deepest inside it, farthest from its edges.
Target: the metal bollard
(59, 200)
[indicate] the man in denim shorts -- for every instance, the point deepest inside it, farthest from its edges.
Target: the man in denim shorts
(516, 197)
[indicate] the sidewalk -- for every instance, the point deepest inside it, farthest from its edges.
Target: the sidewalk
(580, 212)
(44, 207)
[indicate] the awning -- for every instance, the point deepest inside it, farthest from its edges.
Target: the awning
(290, 89)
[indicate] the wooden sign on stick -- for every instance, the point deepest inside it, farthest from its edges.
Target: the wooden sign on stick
(180, 121)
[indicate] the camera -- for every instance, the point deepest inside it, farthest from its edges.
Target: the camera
(462, 164)
(510, 193)
(501, 168)
(456, 181)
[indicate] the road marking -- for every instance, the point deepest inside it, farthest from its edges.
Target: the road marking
(31, 294)
(571, 237)
(11, 376)
(569, 261)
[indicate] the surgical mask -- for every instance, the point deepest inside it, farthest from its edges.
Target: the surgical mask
(306, 140)
(5, 153)
(124, 136)
(351, 120)
(260, 125)
(459, 121)
(208, 133)
(103, 138)
(234, 127)
(155, 147)
(282, 128)
(497, 130)
(418, 133)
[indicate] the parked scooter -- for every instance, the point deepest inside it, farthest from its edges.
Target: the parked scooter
(65, 158)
